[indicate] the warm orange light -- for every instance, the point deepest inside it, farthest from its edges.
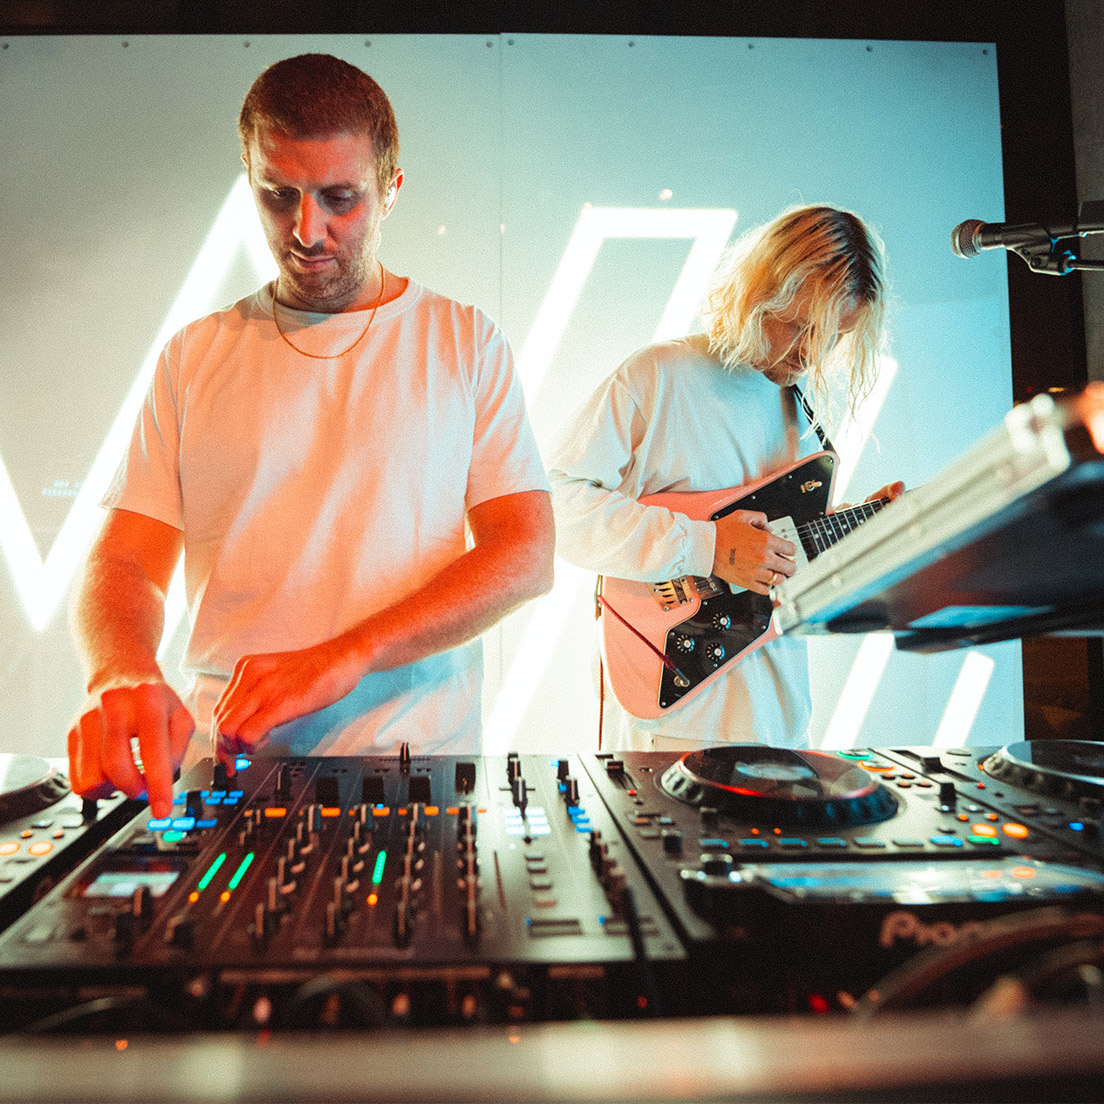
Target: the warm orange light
(193, 896)
(1016, 831)
(373, 899)
(330, 811)
(224, 896)
(275, 811)
(120, 1044)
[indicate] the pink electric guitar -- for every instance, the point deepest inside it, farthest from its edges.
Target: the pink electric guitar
(661, 642)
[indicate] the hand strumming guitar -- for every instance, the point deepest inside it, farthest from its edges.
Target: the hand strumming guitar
(748, 554)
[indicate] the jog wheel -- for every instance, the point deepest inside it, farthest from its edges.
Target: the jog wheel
(756, 784)
(28, 784)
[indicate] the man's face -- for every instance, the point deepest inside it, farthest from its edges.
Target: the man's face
(791, 340)
(320, 206)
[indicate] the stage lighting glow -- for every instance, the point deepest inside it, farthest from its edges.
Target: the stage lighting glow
(708, 227)
(42, 584)
(858, 692)
(965, 700)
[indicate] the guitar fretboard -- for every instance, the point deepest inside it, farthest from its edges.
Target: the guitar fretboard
(825, 531)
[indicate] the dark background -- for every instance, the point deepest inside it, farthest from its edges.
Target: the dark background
(1035, 41)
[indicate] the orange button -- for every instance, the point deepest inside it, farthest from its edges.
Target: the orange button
(275, 811)
(330, 811)
(377, 811)
(1016, 831)
(44, 847)
(983, 830)
(8, 847)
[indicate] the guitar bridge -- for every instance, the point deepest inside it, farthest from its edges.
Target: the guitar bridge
(684, 589)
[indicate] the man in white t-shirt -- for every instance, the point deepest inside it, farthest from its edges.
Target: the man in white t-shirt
(343, 459)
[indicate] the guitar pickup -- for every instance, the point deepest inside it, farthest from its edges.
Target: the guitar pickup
(784, 527)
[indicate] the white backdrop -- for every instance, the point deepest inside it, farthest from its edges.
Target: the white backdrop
(579, 189)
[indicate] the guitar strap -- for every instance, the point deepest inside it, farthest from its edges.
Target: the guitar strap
(798, 396)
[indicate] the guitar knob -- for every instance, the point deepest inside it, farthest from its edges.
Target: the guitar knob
(722, 622)
(715, 653)
(684, 644)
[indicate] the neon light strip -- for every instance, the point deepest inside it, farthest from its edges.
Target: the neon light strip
(205, 881)
(709, 227)
(851, 438)
(965, 700)
(41, 585)
(235, 881)
(858, 692)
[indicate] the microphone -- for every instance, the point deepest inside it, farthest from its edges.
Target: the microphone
(969, 238)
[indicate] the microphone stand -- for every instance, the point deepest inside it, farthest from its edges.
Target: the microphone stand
(1041, 249)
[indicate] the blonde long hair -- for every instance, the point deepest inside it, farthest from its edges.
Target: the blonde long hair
(826, 253)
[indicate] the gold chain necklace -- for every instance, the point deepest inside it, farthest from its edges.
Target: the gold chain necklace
(330, 356)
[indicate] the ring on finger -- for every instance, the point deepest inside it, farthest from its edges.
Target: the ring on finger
(773, 578)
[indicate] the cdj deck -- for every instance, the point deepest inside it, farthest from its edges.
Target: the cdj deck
(300, 893)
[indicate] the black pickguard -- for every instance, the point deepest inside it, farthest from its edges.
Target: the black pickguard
(725, 625)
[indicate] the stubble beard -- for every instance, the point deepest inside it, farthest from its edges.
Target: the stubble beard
(339, 285)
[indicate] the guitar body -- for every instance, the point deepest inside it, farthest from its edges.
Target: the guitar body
(700, 624)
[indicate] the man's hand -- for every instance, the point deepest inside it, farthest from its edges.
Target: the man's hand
(748, 554)
(100, 751)
(267, 690)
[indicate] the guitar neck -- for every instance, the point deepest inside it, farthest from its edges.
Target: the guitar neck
(821, 534)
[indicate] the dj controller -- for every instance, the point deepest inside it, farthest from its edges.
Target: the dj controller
(332, 891)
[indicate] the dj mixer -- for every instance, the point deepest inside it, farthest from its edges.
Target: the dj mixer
(295, 893)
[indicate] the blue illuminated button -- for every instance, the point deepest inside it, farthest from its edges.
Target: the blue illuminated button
(158, 824)
(793, 842)
(946, 841)
(751, 844)
(831, 841)
(229, 800)
(184, 823)
(206, 823)
(869, 841)
(241, 763)
(713, 842)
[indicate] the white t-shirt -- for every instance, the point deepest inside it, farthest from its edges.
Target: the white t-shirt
(314, 492)
(672, 418)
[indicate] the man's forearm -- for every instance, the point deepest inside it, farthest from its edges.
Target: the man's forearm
(117, 619)
(472, 595)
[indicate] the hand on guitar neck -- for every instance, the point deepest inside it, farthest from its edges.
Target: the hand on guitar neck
(748, 555)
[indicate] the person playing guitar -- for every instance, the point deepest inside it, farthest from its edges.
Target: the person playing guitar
(790, 302)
